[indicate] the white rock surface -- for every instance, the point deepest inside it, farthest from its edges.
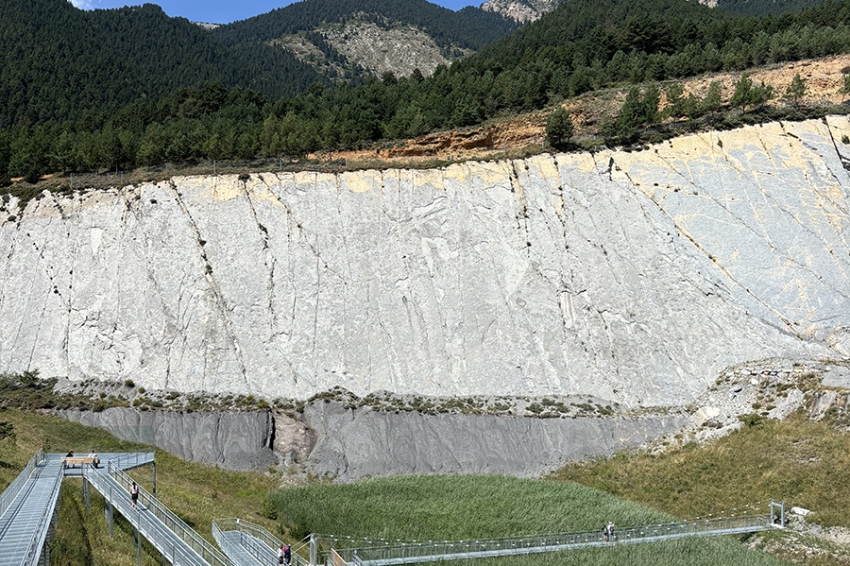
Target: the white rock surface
(634, 277)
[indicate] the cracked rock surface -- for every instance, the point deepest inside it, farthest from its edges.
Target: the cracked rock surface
(634, 277)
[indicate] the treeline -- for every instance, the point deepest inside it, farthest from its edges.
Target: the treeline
(627, 44)
(470, 28)
(59, 63)
(773, 7)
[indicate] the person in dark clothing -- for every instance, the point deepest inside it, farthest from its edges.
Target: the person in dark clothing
(134, 494)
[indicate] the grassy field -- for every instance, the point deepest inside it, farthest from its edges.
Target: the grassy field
(802, 462)
(421, 508)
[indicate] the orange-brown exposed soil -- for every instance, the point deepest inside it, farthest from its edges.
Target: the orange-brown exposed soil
(525, 134)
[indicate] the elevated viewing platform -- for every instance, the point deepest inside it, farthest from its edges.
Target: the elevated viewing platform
(123, 461)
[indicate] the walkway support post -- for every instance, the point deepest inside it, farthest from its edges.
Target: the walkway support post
(780, 508)
(153, 490)
(109, 518)
(86, 493)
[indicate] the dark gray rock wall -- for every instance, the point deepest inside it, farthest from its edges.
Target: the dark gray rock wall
(348, 444)
(352, 444)
(236, 441)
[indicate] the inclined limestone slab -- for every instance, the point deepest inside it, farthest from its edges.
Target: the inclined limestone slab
(634, 277)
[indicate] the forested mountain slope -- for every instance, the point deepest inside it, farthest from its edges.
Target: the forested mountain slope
(329, 31)
(59, 63)
(584, 45)
(530, 10)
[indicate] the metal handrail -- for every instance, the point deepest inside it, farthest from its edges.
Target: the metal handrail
(40, 534)
(14, 488)
(137, 458)
(146, 524)
(108, 480)
(199, 544)
(447, 550)
(259, 533)
(256, 531)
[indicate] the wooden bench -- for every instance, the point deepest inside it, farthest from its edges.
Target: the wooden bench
(71, 461)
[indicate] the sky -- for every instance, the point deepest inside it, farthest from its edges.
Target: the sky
(224, 11)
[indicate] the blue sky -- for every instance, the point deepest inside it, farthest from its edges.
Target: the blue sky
(224, 11)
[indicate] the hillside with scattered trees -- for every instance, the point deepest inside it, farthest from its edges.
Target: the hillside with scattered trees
(583, 46)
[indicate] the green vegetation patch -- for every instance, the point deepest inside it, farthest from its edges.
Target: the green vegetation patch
(803, 462)
(421, 508)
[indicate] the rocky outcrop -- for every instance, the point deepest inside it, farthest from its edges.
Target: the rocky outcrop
(331, 441)
(634, 277)
(236, 441)
(522, 11)
(353, 444)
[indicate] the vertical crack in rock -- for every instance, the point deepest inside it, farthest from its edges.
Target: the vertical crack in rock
(216, 290)
(522, 223)
(173, 321)
(49, 272)
(269, 260)
(6, 278)
(318, 291)
(786, 328)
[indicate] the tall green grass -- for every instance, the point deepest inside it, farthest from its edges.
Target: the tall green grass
(451, 507)
(421, 508)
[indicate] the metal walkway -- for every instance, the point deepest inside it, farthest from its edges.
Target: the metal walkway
(415, 553)
(242, 536)
(171, 536)
(239, 538)
(28, 512)
(29, 504)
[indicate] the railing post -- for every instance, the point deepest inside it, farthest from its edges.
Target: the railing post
(87, 489)
(313, 549)
(153, 466)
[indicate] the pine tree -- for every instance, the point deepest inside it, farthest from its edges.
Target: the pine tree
(559, 128)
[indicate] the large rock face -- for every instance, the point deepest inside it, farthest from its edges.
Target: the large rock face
(523, 11)
(345, 444)
(236, 441)
(353, 444)
(634, 277)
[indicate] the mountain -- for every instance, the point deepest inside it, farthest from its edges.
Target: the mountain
(59, 62)
(346, 37)
(524, 11)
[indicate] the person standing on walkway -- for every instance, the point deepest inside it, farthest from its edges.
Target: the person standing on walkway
(287, 555)
(134, 494)
(280, 554)
(609, 530)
